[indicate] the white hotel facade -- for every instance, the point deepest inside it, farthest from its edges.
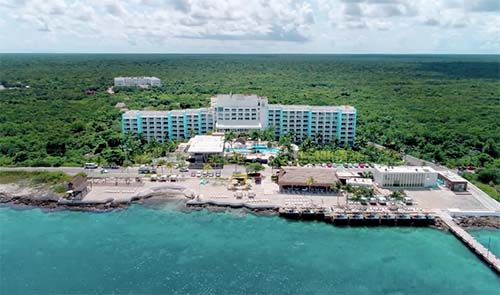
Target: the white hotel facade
(243, 113)
(137, 81)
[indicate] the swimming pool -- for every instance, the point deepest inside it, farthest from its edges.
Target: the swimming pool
(256, 147)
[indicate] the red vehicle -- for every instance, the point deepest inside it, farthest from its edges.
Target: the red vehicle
(361, 165)
(329, 165)
(193, 174)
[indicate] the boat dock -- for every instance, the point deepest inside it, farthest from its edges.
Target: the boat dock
(354, 218)
(482, 252)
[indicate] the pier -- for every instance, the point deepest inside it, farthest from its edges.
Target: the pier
(482, 252)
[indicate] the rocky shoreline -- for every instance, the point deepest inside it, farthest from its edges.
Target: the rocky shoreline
(21, 197)
(471, 222)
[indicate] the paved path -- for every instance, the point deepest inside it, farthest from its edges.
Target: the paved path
(472, 243)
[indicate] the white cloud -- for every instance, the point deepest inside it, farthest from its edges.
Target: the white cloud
(252, 25)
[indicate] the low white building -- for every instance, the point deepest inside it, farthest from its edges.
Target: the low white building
(201, 147)
(405, 176)
(137, 81)
(360, 182)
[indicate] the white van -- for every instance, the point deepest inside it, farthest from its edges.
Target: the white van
(90, 166)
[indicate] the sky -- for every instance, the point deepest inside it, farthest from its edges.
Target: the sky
(251, 26)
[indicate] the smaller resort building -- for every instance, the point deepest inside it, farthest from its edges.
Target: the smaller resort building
(202, 147)
(77, 188)
(405, 176)
(137, 82)
(360, 182)
(453, 181)
(307, 180)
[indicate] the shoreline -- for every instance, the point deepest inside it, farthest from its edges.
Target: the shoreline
(49, 201)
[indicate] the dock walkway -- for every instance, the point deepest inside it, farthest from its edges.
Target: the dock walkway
(486, 255)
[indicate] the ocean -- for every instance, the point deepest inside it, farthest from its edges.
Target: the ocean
(163, 250)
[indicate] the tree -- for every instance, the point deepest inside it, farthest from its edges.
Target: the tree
(268, 134)
(491, 148)
(170, 166)
(229, 137)
(207, 167)
(215, 160)
(397, 195)
(255, 134)
(310, 181)
(254, 167)
(56, 146)
(113, 156)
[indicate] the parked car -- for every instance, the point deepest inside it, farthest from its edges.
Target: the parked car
(183, 169)
(217, 173)
(205, 173)
(329, 165)
(154, 177)
(346, 165)
(382, 200)
(211, 174)
(193, 174)
(90, 166)
(163, 178)
(363, 201)
(103, 171)
(408, 201)
(373, 201)
(111, 166)
(361, 165)
(198, 174)
(147, 170)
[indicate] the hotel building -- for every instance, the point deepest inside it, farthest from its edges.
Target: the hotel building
(137, 81)
(244, 113)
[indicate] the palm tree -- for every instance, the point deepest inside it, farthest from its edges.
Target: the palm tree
(207, 167)
(229, 137)
(310, 181)
(268, 134)
(170, 166)
(255, 134)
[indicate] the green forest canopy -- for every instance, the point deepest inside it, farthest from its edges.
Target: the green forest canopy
(441, 108)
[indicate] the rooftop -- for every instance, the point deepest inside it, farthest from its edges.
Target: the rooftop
(299, 176)
(358, 180)
(343, 108)
(206, 144)
(346, 174)
(237, 100)
(404, 169)
(138, 77)
(450, 176)
(146, 113)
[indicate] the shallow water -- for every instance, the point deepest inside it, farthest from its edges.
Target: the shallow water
(143, 250)
(490, 238)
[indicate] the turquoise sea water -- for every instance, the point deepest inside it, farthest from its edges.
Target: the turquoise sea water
(490, 238)
(143, 250)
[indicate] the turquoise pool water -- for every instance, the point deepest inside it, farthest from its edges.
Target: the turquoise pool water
(153, 251)
(259, 148)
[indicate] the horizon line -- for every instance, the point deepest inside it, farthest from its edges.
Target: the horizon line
(247, 53)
